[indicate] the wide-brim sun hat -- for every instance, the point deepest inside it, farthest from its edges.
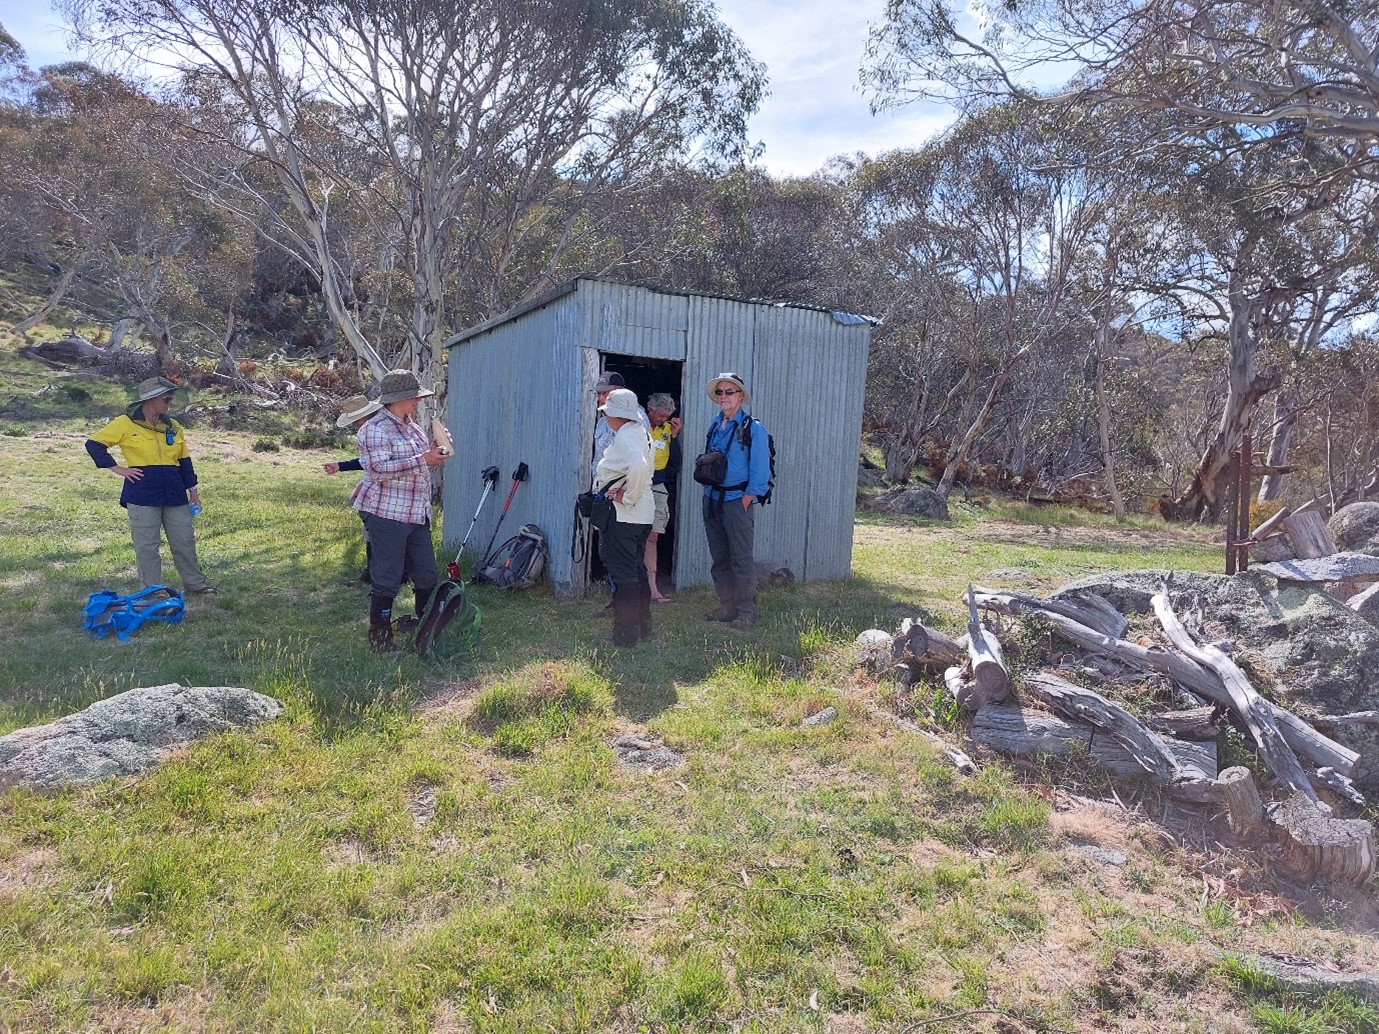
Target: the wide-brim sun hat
(735, 379)
(621, 403)
(157, 387)
(356, 407)
(399, 386)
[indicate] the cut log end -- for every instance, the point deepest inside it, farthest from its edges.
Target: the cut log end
(1317, 846)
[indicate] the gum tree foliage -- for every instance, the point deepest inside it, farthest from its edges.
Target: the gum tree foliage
(96, 202)
(1274, 70)
(467, 132)
(1287, 94)
(982, 235)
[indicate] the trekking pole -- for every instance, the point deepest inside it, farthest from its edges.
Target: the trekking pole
(518, 476)
(490, 476)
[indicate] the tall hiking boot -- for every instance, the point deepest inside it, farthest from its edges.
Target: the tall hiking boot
(381, 639)
(626, 616)
(724, 613)
(381, 626)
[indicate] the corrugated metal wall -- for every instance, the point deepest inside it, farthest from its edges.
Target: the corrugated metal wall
(522, 395)
(504, 387)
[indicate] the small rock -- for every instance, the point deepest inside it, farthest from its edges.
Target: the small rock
(874, 649)
(828, 714)
(1101, 855)
(640, 753)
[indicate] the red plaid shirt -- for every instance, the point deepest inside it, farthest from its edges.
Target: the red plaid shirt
(397, 481)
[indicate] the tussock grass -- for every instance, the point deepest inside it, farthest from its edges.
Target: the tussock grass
(454, 846)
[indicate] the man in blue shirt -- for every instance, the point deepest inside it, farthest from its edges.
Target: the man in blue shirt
(729, 518)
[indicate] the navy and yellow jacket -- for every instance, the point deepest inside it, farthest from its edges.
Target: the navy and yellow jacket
(160, 452)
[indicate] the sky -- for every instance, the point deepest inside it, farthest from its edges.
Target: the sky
(812, 50)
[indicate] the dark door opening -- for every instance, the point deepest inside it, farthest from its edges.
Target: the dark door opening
(645, 377)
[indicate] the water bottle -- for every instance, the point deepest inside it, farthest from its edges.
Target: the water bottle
(194, 509)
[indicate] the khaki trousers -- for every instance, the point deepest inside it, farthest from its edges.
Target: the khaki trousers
(147, 524)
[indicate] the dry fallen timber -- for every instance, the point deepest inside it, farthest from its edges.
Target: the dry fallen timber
(1174, 750)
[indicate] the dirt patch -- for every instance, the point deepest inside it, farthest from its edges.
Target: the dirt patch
(451, 700)
(1065, 536)
(27, 870)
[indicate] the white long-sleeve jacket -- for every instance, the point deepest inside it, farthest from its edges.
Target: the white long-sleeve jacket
(629, 456)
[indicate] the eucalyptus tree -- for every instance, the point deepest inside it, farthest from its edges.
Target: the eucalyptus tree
(90, 161)
(1277, 71)
(985, 248)
(482, 122)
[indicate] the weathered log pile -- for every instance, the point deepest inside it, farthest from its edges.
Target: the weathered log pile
(1312, 774)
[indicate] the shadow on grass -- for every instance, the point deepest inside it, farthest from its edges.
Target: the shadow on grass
(685, 650)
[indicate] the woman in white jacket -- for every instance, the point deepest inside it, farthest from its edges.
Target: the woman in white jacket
(624, 475)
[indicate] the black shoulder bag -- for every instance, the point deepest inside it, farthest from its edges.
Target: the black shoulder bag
(596, 507)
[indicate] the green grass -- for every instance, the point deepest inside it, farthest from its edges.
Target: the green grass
(453, 845)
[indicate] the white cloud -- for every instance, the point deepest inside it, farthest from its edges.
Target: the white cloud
(39, 30)
(813, 51)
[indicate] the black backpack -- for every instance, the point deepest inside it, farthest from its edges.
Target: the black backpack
(744, 438)
(518, 562)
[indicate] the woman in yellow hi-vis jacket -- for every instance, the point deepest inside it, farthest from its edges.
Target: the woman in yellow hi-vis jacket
(159, 483)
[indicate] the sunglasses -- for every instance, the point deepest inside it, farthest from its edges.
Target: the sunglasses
(725, 391)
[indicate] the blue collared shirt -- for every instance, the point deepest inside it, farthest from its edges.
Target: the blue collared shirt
(725, 437)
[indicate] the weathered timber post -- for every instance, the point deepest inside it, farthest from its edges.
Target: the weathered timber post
(1239, 476)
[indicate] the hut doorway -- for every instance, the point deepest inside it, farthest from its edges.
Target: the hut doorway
(645, 377)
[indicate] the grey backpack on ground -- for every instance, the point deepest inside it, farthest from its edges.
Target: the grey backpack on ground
(518, 563)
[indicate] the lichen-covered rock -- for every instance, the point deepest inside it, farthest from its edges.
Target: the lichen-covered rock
(125, 734)
(874, 650)
(1355, 528)
(1318, 653)
(920, 502)
(1366, 604)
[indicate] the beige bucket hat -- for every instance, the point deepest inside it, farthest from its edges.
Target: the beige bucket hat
(713, 383)
(356, 407)
(622, 402)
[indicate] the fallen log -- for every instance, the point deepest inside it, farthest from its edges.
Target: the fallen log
(1337, 721)
(911, 643)
(927, 649)
(990, 680)
(1320, 750)
(1149, 750)
(1251, 708)
(1086, 608)
(1194, 723)
(960, 686)
(1023, 732)
(1267, 528)
(1339, 567)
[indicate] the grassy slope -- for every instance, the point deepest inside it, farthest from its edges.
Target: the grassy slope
(454, 847)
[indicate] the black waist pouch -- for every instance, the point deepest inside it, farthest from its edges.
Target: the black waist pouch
(710, 468)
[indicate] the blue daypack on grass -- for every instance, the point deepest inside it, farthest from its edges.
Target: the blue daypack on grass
(110, 613)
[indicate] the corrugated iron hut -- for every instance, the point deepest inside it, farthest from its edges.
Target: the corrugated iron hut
(521, 391)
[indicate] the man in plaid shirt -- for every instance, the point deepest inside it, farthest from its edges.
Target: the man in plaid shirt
(394, 500)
